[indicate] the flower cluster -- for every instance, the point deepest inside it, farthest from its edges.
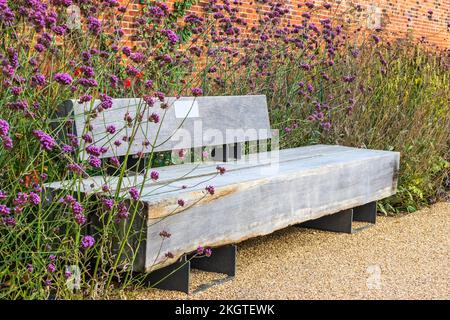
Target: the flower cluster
(47, 142)
(4, 135)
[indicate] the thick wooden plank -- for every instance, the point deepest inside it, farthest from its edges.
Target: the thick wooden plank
(303, 189)
(186, 122)
(256, 196)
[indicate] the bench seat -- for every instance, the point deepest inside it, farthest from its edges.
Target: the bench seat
(258, 194)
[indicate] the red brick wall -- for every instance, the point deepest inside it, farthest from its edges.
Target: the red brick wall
(397, 17)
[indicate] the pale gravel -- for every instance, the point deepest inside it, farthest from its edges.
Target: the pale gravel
(412, 253)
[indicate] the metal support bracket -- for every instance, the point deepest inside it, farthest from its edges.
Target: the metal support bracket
(173, 277)
(342, 221)
(176, 276)
(222, 260)
(365, 213)
(338, 222)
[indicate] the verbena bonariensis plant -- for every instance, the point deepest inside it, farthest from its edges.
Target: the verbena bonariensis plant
(325, 81)
(48, 56)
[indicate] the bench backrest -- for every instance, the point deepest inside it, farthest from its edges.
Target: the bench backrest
(185, 122)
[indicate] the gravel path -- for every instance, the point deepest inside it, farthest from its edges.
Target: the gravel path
(404, 257)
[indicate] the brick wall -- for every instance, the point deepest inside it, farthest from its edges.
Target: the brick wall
(398, 18)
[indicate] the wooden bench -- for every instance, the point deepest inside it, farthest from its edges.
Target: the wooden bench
(319, 186)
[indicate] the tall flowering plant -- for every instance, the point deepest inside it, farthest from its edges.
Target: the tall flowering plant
(53, 51)
(326, 80)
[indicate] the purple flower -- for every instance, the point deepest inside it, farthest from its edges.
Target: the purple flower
(154, 118)
(38, 80)
(171, 36)
(154, 175)
(94, 161)
(108, 203)
(30, 267)
(77, 208)
(196, 92)
(47, 142)
(111, 129)
(181, 202)
(88, 83)
(122, 211)
(21, 199)
(3, 195)
(126, 51)
(210, 190)
(160, 96)
(208, 252)
(66, 148)
(164, 234)
(106, 100)
(80, 219)
(88, 71)
(87, 138)
(51, 268)
(113, 80)
(87, 242)
(326, 126)
(309, 4)
(67, 199)
(4, 127)
(74, 167)
(85, 98)
(200, 250)
(9, 221)
(59, 30)
(4, 210)
(93, 150)
(137, 57)
(148, 83)
(149, 100)
(65, 3)
(63, 78)
(94, 25)
(221, 170)
(376, 38)
(34, 198)
(134, 193)
(16, 91)
(114, 162)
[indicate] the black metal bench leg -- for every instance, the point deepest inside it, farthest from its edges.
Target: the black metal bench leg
(222, 260)
(366, 213)
(338, 222)
(172, 277)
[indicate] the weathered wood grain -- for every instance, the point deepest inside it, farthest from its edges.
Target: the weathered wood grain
(249, 203)
(172, 173)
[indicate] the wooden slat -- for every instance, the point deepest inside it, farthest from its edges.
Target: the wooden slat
(169, 174)
(210, 121)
